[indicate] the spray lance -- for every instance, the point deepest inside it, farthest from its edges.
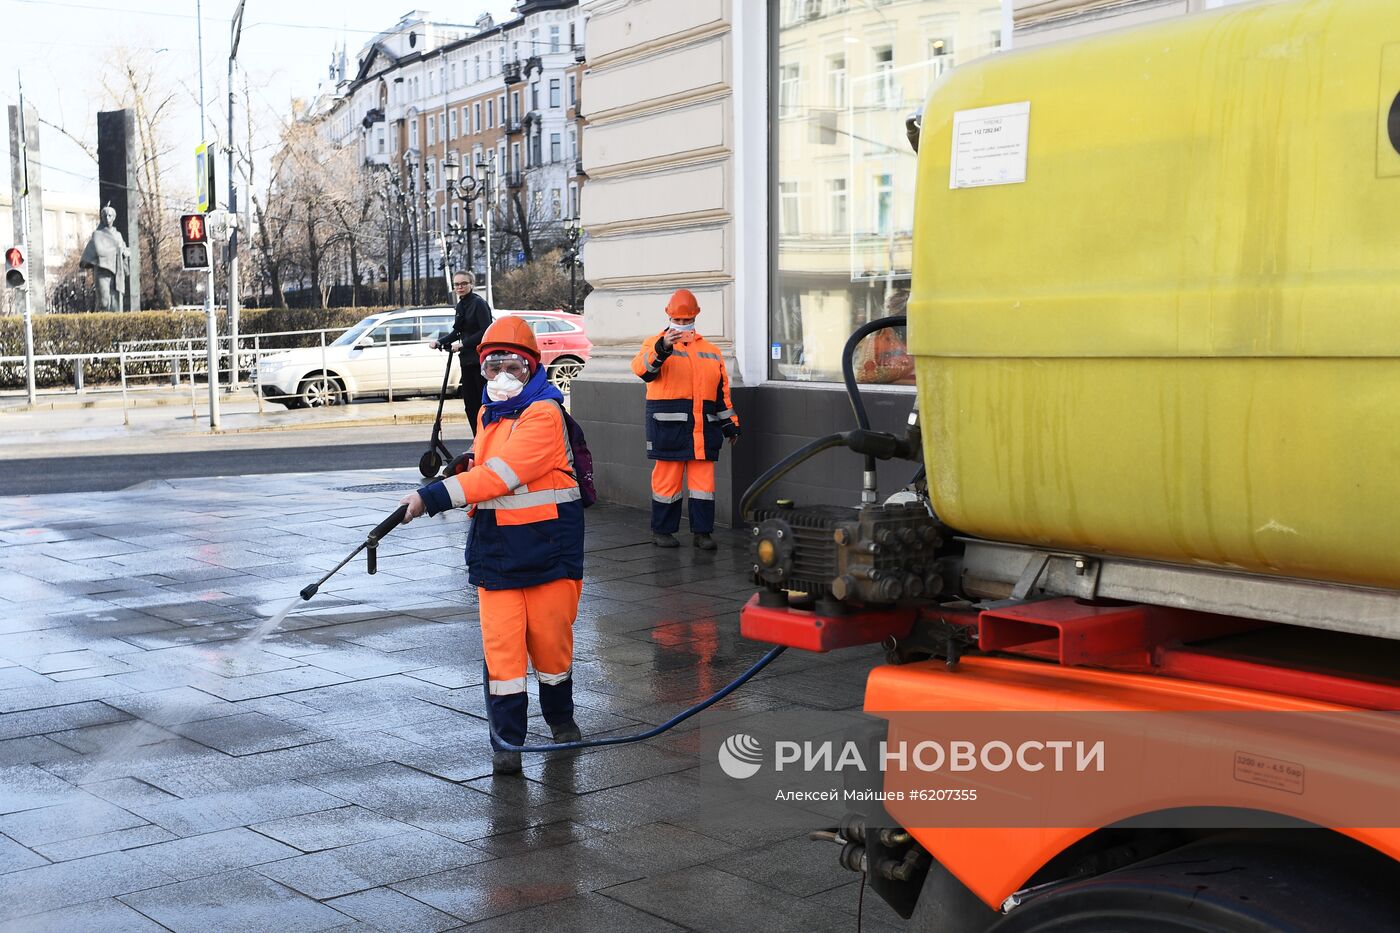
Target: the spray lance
(396, 517)
(371, 542)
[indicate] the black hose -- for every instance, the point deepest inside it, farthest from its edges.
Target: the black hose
(773, 473)
(498, 743)
(848, 371)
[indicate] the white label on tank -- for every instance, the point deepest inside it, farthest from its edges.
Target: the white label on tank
(989, 146)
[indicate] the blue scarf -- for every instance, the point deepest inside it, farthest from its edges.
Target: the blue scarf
(538, 389)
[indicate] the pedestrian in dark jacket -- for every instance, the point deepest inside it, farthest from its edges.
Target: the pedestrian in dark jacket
(473, 317)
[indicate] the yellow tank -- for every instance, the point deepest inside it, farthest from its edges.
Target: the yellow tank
(1178, 338)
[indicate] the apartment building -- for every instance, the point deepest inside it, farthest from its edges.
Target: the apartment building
(498, 100)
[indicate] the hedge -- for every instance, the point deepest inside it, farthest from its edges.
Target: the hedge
(101, 332)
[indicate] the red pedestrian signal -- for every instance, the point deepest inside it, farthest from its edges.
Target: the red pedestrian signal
(16, 268)
(194, 231)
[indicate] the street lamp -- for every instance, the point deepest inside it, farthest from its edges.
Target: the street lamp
(469, 189)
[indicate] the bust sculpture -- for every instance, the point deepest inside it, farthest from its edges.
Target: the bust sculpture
(109, 259)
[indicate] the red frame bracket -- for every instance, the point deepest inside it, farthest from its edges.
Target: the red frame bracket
(799, 628)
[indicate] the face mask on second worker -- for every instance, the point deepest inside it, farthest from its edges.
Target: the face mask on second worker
(686, 328)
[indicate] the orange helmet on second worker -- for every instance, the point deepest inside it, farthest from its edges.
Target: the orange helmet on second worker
(682, 304)
(510, 333)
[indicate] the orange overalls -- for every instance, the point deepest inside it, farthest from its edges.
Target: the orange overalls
(525, 555)
(689, 414)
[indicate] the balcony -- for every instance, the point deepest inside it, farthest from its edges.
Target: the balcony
(578, 54)
(578, 169)
(514, 180)
(534, 63)
(511, 72)
(514, 127)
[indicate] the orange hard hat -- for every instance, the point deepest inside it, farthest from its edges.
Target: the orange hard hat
(510, 333)
(682, 304)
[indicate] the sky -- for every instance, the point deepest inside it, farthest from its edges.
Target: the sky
(57, 49)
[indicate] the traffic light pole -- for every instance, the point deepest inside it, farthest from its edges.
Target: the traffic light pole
(236, 34)
(21, 157)
(211, 326)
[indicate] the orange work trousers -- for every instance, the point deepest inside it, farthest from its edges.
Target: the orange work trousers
(668, 477)
(537, 623)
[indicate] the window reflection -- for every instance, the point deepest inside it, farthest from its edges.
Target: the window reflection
(847, 75)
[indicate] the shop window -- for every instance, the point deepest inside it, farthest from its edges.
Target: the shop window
(843, 172)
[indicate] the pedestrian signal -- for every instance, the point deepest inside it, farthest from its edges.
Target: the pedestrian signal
(194, 232)
(16, 269)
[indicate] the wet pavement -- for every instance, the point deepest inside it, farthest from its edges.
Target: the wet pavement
(159, 769)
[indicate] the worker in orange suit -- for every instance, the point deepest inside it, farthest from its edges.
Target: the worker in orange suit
(525, 547)
(689, 415)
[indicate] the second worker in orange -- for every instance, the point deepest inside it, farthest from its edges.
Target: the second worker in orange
(689, 414)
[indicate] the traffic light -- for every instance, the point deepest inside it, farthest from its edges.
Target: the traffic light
(16, 267)
(194, 231)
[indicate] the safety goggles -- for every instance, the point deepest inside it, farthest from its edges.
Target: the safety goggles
(511, 363)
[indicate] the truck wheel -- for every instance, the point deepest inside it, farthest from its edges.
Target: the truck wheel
(1284, 881)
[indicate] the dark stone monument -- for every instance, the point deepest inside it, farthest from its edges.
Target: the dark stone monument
(117, 187)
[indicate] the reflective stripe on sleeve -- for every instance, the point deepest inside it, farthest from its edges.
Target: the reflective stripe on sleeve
(503, 470)
(551, 679)
(455, 492)
(507, 687)
(529, 500)
(727, 413)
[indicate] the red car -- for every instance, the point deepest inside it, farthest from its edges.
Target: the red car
(564, 345)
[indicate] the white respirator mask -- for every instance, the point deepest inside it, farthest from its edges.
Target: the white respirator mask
(683, 328)
(504, 386)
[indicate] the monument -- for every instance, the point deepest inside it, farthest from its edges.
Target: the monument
(110, 261)
(119, 186)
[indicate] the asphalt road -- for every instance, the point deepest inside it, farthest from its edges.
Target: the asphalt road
(63, 473)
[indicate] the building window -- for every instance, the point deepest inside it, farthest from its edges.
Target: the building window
(466, 121)
(573, 143)
(452, 125)
(432, 129)
(476, 117)
(836, 190)
(789, 78)
(554, 92)
(836, 81)
(883, 221)
(555, 153)
(789, 217)
(535, 142)
(412, 133)
(556, 204)
(478, 67)
(534, 95)
(843, 176)
(430, 179)
(554, 38)
(490, 113)
(884, 77)
(573, 202)
(573, 90)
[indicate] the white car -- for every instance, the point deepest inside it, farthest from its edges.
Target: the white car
(385, 355)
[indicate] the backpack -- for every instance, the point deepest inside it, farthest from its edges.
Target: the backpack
(583, 459)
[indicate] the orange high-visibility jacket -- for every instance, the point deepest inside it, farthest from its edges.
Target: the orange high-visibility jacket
(527, 526)
(689, 411)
